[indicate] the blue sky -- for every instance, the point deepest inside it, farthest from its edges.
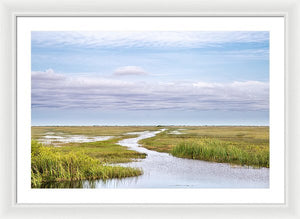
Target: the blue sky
(150, 78)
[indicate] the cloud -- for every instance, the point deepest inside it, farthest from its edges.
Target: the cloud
(157, 39)
(129, 70)
(48, 75)
(99, 93)
(54, 90)
(242, 54)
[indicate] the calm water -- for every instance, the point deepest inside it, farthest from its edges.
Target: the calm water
(162, 170)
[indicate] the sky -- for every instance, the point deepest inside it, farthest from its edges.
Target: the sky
(150, 78)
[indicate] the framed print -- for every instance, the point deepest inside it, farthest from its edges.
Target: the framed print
(169, 111)
(188, 130)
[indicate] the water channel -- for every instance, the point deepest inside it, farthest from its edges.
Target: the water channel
(162, 170)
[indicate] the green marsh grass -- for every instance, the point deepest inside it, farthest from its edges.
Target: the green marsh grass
(72, 162)
(222, 152)
(48, 164)
(105, 151)
(241, 145)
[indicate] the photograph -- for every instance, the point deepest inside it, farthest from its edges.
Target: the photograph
(150, 109)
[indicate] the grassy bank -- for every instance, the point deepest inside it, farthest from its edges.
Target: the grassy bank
(105, 151)
(49, 164)
(236, 145)
(222, 152)
(73, 161)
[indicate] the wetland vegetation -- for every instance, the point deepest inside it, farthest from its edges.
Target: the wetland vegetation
(49, 164)
(63, 161)
(239, 145)
(59, 161)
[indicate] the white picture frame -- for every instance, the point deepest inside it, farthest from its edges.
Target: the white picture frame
(9, 11)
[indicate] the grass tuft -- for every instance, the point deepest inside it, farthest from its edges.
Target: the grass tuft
(221, 151)
(51, 165)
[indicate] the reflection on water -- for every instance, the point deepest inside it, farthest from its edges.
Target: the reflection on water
(162, 170)
(69, 184)
(112, 183)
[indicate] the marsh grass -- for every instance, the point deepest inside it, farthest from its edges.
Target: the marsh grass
(49, 164)
(107, 151)
(223, 152)
(241, 145)
(78, 161)
(72, 162)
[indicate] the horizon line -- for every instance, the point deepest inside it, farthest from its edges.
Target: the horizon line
(139, 125)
